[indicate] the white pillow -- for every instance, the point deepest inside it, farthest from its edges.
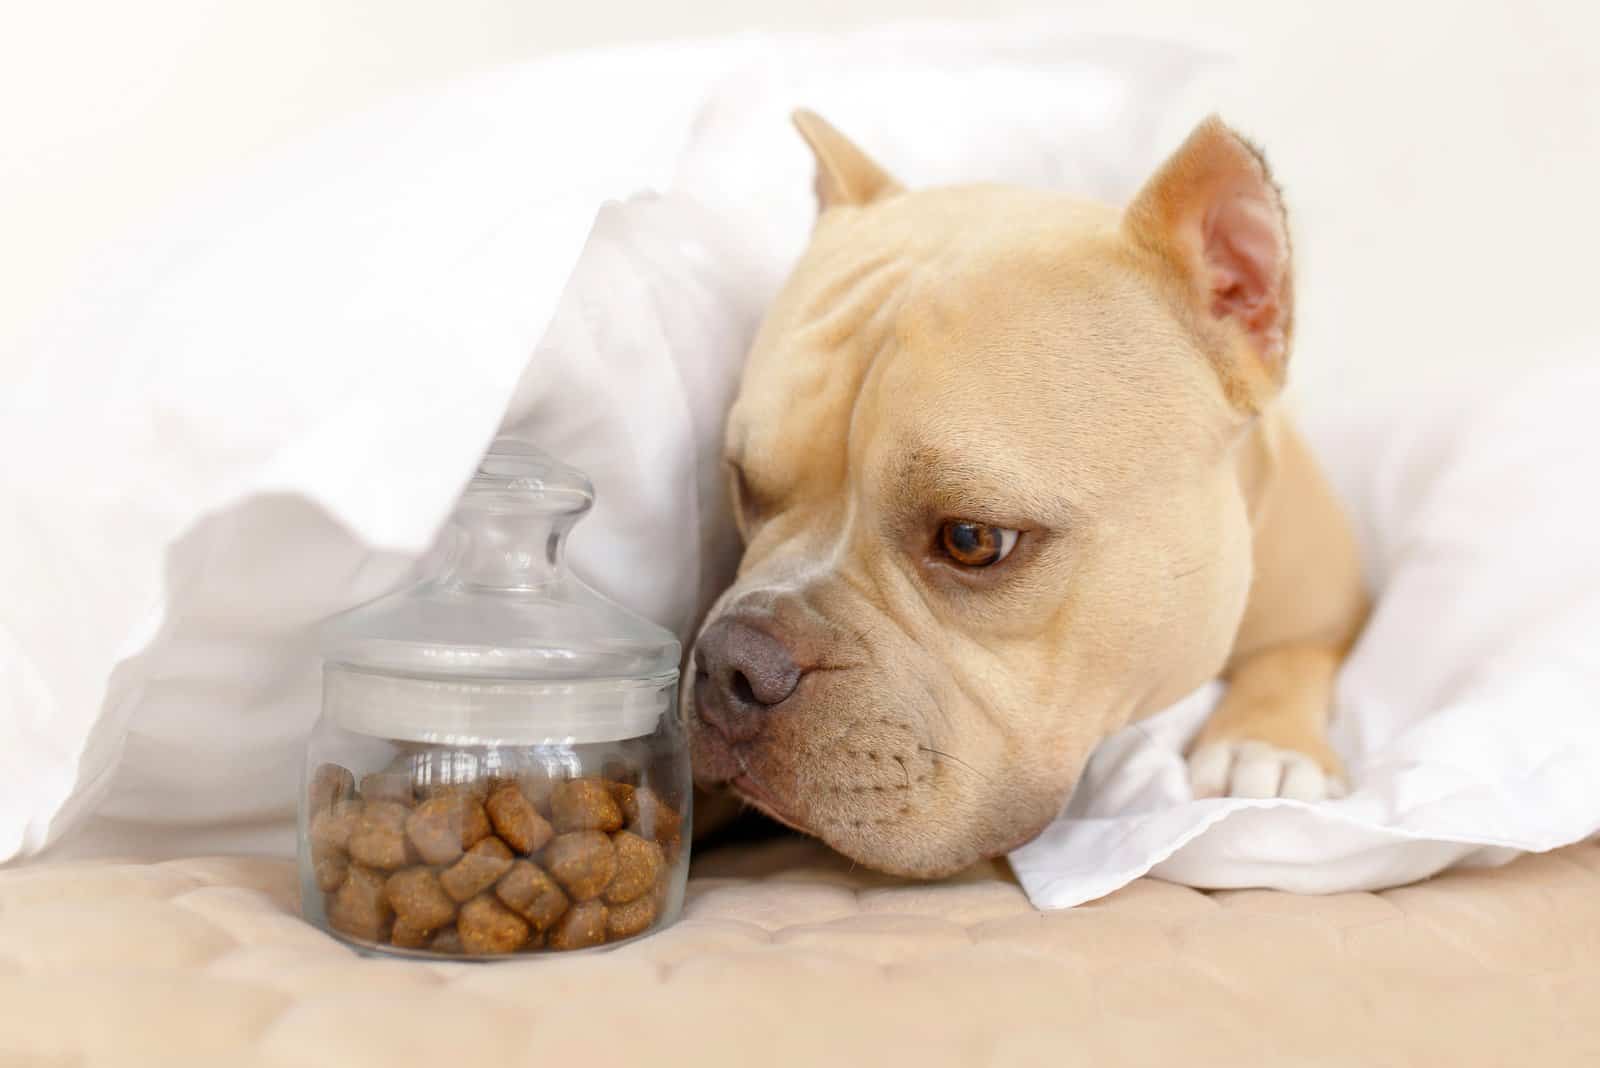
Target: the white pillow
(263, 415)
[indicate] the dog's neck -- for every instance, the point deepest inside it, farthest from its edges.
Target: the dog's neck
(1258, 466)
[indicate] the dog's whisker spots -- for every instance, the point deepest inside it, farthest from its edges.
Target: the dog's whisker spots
(955, 760)
(903, 769)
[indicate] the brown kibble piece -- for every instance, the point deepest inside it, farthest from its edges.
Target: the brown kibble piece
(443, 827)
(418, 899)
(517, 821)
(536, 787)
(330, 784)
(654, 818)
(477, 869)
(645, 814)
(330, 838)
(359, 908)
(584, 925)
(624, 794)
(333, 826)
(532, 894)
(447, 940)
(486, 926)
(583, 805)
(379, 838)
(625, 921)
(639, 862)
(390, 785)
(329, 865)
(583, 862)
(409, 936)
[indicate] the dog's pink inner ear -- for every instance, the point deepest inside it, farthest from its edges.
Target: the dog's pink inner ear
(1246, 259)
(845, 174)
(1213, 211)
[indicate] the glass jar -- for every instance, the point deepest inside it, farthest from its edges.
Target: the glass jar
(499, 767)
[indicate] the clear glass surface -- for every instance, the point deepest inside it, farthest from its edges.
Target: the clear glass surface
(499, 767)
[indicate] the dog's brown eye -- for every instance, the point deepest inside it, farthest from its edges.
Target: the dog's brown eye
(974, 544)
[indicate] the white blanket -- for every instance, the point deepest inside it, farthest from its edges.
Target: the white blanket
(263, 417)
(1469, 713)
(262, 413)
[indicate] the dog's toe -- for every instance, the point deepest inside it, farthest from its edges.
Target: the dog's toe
(1256, 769)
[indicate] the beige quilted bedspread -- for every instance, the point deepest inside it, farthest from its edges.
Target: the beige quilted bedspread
(785, 956)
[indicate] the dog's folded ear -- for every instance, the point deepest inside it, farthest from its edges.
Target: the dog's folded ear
(845, 174)
(1214, 217)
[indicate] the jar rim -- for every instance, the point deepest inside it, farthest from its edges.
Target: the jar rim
(486, 711)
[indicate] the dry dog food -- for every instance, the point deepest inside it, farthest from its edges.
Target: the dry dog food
(532, 894)
(584, 925)
(583, 805)
(583, 862)
(447, 825)
(625, 921)
(489, 867)
(639, 865)
(477, 870)
(379, 838)
(516, 821)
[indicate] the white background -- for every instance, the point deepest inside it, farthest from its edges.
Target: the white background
(1441, 159)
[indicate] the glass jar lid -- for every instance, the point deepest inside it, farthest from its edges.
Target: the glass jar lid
(502, 640)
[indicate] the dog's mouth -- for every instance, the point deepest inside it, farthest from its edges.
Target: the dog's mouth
(722, 763)
(750, 791)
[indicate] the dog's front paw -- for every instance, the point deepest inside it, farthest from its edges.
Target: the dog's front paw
(1257, 769)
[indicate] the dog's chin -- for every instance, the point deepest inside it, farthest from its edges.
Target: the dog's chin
(938, 862)
(905, 850)
(892, 858)
(887, 850)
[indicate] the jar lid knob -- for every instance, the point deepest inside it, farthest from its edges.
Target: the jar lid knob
(519, 471)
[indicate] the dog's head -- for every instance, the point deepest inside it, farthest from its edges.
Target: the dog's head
(984, 462)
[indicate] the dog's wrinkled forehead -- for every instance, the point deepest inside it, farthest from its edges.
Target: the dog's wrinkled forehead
(886, 330)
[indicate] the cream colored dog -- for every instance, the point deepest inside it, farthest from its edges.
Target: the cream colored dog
(1010, 475)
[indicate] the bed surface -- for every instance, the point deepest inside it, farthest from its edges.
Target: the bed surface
(785, 955)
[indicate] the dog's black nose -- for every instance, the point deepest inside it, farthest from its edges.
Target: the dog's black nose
(743, 672)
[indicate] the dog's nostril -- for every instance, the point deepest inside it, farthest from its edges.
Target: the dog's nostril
(741, 689)
(749, 669)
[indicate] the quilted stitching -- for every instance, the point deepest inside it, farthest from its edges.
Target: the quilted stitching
(786, 955)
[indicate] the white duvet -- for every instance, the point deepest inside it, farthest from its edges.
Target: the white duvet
(263, 416)
(261, 412)
(1469, 712)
